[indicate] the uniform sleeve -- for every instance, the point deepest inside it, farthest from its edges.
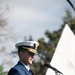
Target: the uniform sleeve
(13, 72)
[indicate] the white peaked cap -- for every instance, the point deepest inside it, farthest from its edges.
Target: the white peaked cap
(29, 45)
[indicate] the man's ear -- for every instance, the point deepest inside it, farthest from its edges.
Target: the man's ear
(21, 53)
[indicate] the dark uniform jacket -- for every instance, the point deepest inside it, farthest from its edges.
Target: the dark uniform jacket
(19, 69)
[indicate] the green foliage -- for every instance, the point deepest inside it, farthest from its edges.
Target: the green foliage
(1, 71)
(70, 20)
(1, 68)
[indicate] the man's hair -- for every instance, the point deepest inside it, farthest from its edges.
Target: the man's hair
(21, 49)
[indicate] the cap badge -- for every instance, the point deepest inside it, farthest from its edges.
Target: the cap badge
(35, 46)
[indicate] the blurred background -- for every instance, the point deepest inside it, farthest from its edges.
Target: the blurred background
(39, 20)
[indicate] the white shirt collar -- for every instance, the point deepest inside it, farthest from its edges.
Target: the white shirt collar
(27, 67)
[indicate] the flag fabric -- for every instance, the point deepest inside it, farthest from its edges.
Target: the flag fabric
(64, 56)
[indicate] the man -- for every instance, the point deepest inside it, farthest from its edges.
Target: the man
(26, 52)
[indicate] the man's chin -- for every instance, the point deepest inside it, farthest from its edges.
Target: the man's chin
(31, 62)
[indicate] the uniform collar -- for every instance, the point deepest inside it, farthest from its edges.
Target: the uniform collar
(27, 67)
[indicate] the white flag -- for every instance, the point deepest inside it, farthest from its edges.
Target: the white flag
(64, 56)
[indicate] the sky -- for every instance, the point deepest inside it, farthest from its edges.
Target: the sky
(34, 17)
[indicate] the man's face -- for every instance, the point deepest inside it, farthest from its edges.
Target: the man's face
(27, 57)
